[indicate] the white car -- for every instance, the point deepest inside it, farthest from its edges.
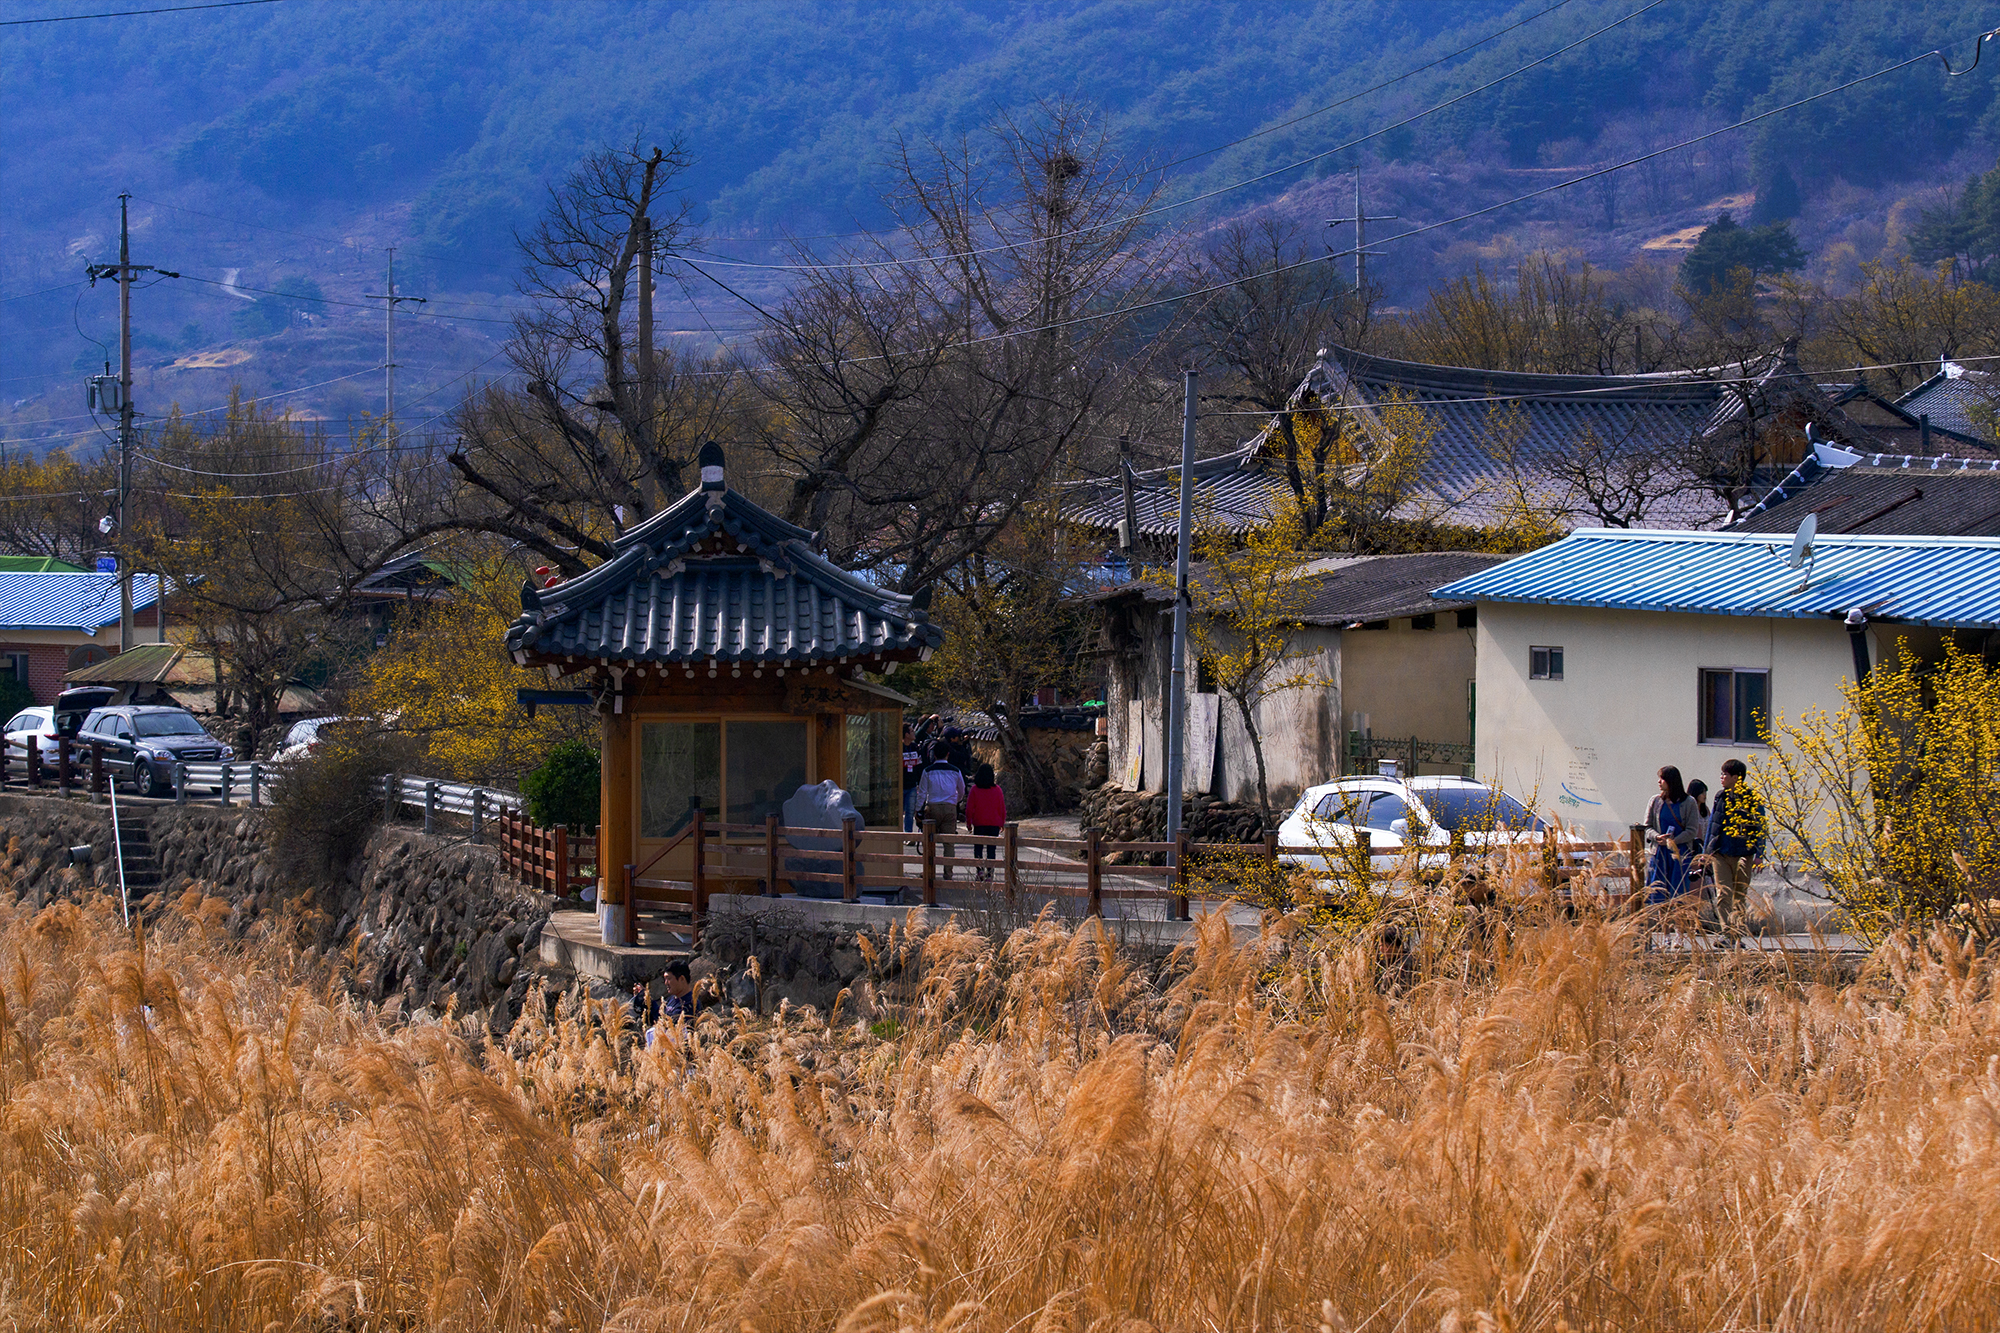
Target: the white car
(64, 717)
(37, 723)
(301, 739)
(1400, 815)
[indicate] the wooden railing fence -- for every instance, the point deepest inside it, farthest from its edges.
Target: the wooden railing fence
(760, 860)
(553, 860)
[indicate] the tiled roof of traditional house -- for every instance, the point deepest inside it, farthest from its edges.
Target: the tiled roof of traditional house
(1955, 399)
(1944, 581)
(1346, 589)
(715, 579)
(57, 601)
(1384, 587)
(416, 575)
(1886, 493)
(1489, 424)
(1941, 501)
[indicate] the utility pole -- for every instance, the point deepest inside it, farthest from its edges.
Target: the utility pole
(1177, 680)
(124, 269)
(389, 354)
(1361, 250)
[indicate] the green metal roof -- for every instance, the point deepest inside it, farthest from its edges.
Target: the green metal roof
(35, 564)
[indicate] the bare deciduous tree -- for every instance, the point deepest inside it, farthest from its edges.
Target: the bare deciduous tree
(919, 399)
(594, 438)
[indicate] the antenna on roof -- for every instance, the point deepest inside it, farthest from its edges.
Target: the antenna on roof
(1802, 548)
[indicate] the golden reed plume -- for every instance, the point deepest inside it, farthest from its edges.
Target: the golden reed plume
(1556, 1130)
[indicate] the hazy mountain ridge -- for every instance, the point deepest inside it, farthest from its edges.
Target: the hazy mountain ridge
(435, 126)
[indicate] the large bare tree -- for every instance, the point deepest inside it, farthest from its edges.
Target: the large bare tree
(594, 436)
(921, 392)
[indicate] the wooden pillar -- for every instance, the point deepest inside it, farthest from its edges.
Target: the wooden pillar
(34, 761)
(65, 764)
(770, 856)
(1012, 850)
(1093, 870)
(1364, 844)
(930, 863)
(616, 844)
(850, 882)
(698, 878)
(96, 769)
(561, 877)
(1636, 854)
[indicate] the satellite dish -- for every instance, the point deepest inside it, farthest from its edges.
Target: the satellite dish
(1802, 540)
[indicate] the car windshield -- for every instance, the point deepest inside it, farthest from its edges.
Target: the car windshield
(1475, 809)
(167, 724)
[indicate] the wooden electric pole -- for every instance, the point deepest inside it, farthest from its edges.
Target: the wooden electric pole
(123, 270)
(389, 301)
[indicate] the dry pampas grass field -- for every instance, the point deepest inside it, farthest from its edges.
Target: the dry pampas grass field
(1547, 1128)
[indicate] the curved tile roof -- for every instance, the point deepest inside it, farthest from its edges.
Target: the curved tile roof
(715, 577)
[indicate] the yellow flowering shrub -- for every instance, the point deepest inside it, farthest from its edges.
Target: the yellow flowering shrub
(445, 679)
(1891, 801)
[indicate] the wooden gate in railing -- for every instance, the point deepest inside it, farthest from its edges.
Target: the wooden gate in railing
(549, 859)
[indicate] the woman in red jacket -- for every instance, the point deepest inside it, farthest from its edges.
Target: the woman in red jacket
(985, 811)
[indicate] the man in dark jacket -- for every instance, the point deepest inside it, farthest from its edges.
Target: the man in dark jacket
(1735, 841)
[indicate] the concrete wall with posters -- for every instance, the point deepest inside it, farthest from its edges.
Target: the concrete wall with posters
(1588, 747)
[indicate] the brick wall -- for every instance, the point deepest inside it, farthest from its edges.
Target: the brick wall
(46, 664)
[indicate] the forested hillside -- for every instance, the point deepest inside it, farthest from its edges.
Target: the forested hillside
(436, 126)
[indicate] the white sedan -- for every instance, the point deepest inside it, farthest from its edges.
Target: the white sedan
(1400, 815)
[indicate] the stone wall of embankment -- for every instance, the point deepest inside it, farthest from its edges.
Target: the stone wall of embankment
(415, 922)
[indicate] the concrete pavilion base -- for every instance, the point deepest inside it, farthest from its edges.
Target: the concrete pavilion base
(573, 941)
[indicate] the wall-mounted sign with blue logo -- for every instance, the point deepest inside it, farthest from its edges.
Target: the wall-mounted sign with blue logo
(107, 564)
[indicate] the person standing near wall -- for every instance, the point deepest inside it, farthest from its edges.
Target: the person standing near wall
(1673, 824)
(913, 772)
(1735, 842)
(986, 812)
(941, 791)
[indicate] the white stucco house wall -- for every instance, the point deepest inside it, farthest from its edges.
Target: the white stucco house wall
(1615, 651)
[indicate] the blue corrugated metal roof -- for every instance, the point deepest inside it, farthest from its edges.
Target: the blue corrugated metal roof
(86, 601)
(1944, 581)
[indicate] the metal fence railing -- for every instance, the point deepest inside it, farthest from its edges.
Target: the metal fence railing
(436, 797)
(90, 766)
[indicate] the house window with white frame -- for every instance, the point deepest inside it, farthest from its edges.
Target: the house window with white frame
(1735, 705)
(1545, 664)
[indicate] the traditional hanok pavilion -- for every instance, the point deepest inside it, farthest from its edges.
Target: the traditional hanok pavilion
(725, 659)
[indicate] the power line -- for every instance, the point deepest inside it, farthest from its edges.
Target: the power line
(60, 287)
(1206, 195)
(133, 13)
(328, 300)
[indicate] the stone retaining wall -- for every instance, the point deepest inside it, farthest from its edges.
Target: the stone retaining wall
(1124, 815)
(436, 922)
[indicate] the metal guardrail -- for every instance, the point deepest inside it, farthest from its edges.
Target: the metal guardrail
(88, 765)
(434, 796)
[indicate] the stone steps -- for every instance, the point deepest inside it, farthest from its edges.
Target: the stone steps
(142, 869)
